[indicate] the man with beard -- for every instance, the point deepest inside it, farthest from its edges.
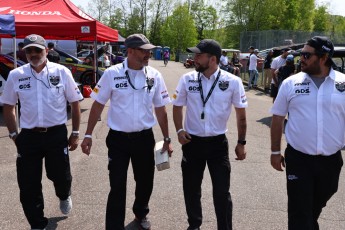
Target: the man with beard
(43, 89)
(315, 101)
(133, 88)
(208, 94)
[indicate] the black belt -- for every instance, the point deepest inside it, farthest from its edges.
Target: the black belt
(208, 139)
(43, 129)
(131, 135)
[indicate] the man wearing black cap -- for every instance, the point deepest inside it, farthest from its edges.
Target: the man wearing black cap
(43, 89)
(208, 94)
(133, 88)
(315, 101)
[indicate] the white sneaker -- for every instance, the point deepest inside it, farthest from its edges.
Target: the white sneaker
(66, 205)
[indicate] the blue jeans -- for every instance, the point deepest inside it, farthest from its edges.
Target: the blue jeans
(253, 74)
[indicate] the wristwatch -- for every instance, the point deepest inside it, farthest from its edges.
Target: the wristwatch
(167, 139)
(12, 135)
(242, 142)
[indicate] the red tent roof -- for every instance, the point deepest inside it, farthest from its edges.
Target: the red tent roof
(55, 19)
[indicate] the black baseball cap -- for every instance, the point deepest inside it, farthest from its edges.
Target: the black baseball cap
(251, 47)
(138, 41)
(209, 46)
(34, 40)
(322, 45)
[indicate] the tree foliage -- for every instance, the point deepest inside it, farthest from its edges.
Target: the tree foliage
(178, 25)
(179, 31)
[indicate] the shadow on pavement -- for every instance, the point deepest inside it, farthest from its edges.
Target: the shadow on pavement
(53, 222)
(266, 121)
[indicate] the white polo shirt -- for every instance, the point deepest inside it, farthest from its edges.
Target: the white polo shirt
(316, 123)
(227, 92)
(253, 62)
(43, 96)
(224, 60)
(131, 110)
(277, 63)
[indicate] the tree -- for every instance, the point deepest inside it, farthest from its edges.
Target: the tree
(322, 19)
(205, 18)
(179, 30)
(99, 10)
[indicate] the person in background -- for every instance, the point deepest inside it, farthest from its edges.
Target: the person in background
(21, 53)
(203, 136)
(253, 71)
(134, 89)
(286, 70)
(315, 101)
(276, 64)
(235, 61)
(53, 56)
(267, 71)
(43, 88)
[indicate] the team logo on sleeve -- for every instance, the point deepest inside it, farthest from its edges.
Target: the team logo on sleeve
(340, 86)
(54, 80)
(95, 90)
(223, 85)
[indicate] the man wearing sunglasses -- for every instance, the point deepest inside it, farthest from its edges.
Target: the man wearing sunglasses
(315, 101)
(134, 89)
(43, 88)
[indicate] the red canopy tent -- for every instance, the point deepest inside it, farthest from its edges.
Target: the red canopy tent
(55, 19)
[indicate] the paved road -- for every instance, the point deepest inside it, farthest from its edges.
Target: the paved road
(258, 191)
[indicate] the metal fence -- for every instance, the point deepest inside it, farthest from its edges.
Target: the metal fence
(273, 38)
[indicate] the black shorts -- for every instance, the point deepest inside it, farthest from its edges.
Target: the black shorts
(274, 91)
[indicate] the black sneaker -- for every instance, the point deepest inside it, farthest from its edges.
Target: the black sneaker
(143, 224)
(193, 228)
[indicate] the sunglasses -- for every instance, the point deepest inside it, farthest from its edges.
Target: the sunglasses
(29, 50)
(307, 55)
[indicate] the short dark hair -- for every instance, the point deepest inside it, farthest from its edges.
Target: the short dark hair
(50, 45)
(21, 44)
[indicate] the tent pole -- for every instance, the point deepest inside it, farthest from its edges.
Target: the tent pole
(95, 63)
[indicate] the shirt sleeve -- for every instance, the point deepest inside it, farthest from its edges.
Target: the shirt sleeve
(180, 95)
(161, 96)
(9, 95)
(280, 105)
(102, 91)
(72, 91)
(239, 98)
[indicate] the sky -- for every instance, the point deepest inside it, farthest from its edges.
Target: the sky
(336, 7)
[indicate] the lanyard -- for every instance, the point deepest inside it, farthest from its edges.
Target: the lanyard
(148, 82)
(208, 95)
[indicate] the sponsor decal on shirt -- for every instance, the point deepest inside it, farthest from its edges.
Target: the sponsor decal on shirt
(120, 78)
(175, 94)
(24, 79)
(194, 88)
(302, 88)
(223, 85)
(95, 90)
(54, 80)
(121, 85)
(243, 99)
(340, 86)
(25, 86)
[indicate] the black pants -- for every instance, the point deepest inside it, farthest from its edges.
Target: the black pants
(311, 182)
(32, 148)
(212, 151)
(122, 148)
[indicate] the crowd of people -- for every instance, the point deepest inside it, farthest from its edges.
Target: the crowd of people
(138, 98)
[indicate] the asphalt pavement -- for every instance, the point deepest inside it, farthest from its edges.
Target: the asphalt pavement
(258, 191)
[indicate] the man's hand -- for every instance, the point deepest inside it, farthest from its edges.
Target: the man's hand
(73, 142)
(86, 145)
(167, 146)
(277, 161)
(184, 137)
(240, 152)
